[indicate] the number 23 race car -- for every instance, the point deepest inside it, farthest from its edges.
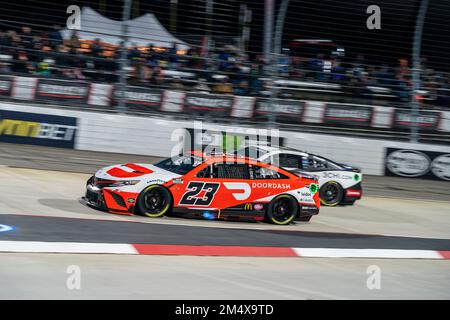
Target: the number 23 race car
(214, 187)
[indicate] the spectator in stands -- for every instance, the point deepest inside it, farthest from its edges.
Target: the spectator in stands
(74, 42)
(194, 60)
(134, 54)
(43, 69)
(157, 77)
(26, 37)
(97, 48)
(21, 64)
(55, 37)
(5, 67)
(4, 42)
(242, 88)
(224, 86)
(176, 84)
(316, 66)
(173, 57)
(141, 73)
(30, 51)
(337, 71)
(202, 86)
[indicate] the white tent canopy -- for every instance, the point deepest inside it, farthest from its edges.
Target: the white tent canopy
(142, 31)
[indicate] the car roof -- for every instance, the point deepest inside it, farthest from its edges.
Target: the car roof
(230, 158)
(220, 156)
(277, 149)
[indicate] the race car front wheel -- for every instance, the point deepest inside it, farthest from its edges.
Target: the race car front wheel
(282, 210)
(331, 193)
(154, 202)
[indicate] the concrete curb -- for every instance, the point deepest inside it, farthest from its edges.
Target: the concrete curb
(229, 251)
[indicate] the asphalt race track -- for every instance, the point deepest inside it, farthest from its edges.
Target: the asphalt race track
(39, 192)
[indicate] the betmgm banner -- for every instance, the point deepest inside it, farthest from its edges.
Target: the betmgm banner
(417, 164)
(37, 129)
(217, 142)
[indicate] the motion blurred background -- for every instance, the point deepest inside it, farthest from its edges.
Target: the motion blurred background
(287, 55)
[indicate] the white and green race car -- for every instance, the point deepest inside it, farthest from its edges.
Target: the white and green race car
(339, 183)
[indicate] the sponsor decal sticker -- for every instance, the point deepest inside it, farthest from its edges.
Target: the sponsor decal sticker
(313, 188)
(269, 185)
(243, 188)
(408, 163)
(259, 206)
(441, 166)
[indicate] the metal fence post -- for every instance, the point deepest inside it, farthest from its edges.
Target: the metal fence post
(278, 37)
(121, 106)
(269, 8)
(416, 70)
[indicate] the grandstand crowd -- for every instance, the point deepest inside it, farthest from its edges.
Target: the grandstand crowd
(224, 70)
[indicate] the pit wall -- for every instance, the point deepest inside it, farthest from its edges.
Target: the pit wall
(155, 136)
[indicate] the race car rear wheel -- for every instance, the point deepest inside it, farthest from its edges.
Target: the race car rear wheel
(154, 201)
(331, 193)
(282, 210)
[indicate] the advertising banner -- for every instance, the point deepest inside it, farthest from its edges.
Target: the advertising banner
(427, 120)
(5, 85)
(37, 129)
(208, 103)
(289, 111)
(62, 91)
(348, 115)
(417, 164)
(141, 98)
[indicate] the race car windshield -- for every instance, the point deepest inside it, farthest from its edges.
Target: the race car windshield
(179, 164)
(251, 152)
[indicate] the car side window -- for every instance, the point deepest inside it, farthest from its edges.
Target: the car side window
(206, 173)
(313, 163)
(225, 171)
(257, 172)
(289, 160)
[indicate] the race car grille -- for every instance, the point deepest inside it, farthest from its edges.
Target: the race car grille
(91, 196)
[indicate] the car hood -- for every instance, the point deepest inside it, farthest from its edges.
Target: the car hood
(134, 171)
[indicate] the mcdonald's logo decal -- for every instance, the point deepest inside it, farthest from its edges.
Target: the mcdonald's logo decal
(248, 207)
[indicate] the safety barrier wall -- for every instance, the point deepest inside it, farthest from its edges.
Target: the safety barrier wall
(150, 100)
(116, 133)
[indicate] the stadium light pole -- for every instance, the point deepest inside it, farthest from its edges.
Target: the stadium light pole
(281, 17)
(416, 71)
(269, 8)
(208, 21)
(121, 106)
(173, 15)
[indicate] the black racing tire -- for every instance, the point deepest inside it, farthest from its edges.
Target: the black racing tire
(282, 210)
(154, 201)
(331, 194)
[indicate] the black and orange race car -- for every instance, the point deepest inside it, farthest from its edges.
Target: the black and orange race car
(214, 187)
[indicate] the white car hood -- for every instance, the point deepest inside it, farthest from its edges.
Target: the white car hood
(134, 171)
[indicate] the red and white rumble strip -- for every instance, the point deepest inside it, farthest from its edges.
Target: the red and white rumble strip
(198, 250)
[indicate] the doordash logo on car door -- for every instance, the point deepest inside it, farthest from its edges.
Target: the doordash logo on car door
(244, 190)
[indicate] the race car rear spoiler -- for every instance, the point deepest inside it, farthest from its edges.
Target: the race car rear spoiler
(350, 168)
